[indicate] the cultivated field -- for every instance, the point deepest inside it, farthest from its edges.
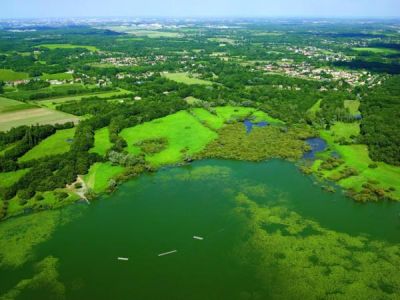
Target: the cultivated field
(9, 105)
(58, 143)
(52, 103)
(34, 116)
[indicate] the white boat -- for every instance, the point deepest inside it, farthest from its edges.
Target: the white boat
(198, 237)
(123, 258)
(166, 253)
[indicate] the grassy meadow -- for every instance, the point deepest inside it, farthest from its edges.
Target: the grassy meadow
(356, 156)
(100, 174)
(384, 51)
(184, 133)
(55, 144)
(57, 76)
(68, 46)
(186, 79)
(10, 75)
(101, 141)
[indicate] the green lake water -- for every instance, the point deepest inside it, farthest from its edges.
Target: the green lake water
(269, 233)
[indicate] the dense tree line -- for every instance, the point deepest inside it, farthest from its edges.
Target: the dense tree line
(380, 126)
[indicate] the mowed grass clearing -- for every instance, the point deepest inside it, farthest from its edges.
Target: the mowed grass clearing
(9, 105)
(58, 143)
(10, 75)
(184, 133)
(100, 174)
(34, 116)
(68, 46)
(101, 141)
(186, 78)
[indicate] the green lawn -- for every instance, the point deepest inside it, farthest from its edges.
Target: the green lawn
(100, 174)
(9, 178)
(57, 76)
(68, 46)
(55, 144)
(101, 141)
(34, 116)
(184, 133)
(8, 105)
(10, 75)
(185, 78)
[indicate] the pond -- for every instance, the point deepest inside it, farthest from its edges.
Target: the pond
(233, 230)
(317, 145)
(249, 125)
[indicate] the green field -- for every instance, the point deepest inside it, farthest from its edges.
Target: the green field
(207, 118)
(68, 46)
(52, 103)
(9, 178)
(100, 174)
(260, 116)
(357, 157)
(101, 141)
(57, 76)
(384, 51)
(9, 105)
(185, 78)
(55, 144)
(232, 113)
(315, 108)
(353, 106)
(34, 116)
(184, 133)
(10, 75)
(341, 130)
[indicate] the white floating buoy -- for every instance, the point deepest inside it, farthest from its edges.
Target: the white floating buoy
(198, 238)
(123, 258)
(166, 253)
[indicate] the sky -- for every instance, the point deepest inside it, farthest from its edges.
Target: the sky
(199, 8)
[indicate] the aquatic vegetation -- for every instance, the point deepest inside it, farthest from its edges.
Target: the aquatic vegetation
(296, 258)
(260, 144)
(45, 278)
(20, 235)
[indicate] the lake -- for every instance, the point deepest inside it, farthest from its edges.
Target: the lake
(267, 230)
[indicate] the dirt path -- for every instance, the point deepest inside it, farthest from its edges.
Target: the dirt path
(80, 192)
